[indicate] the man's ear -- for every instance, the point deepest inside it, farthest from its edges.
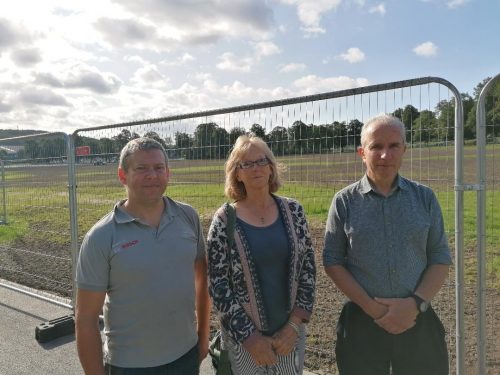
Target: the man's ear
(361, 151)
(122, 176)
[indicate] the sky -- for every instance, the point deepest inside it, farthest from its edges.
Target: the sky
(67, 65)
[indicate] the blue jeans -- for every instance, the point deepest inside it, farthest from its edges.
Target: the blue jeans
(188, 364)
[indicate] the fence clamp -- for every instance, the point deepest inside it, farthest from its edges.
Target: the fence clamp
(470, 187)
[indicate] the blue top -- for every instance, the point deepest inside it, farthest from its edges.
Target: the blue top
(270, 251)
(386, 243)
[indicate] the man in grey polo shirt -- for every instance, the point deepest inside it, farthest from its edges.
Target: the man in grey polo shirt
(386, 250)
(145, 265)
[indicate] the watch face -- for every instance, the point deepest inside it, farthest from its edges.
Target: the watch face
(423, 306)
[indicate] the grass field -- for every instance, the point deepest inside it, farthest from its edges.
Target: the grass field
(35, 245)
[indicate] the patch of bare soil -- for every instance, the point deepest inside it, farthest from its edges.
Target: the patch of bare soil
(47, 266)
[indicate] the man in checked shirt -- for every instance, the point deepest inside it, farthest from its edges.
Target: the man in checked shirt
(386, 250)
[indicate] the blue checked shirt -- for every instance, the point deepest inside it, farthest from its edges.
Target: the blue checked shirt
(386, 243)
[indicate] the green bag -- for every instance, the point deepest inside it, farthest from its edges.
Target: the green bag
(220, 357)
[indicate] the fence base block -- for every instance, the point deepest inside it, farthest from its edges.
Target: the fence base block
(55, 328)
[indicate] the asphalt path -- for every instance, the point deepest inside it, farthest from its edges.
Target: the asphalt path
(22, 354)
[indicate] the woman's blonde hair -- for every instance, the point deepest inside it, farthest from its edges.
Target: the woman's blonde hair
(235, 189)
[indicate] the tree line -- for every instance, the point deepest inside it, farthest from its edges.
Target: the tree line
(211, 141)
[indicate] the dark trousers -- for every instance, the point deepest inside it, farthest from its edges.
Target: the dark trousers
(365, 348)
(188, 364)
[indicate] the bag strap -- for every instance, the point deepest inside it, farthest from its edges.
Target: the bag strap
(231, 219)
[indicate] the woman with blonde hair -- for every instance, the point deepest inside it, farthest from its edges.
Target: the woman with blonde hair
(262, 285)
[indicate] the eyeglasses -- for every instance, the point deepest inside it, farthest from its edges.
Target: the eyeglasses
(249, 164)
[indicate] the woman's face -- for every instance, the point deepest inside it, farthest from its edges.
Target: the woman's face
(258, 170)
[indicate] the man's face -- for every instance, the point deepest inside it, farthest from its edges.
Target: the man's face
(147, 176)
(382, 153)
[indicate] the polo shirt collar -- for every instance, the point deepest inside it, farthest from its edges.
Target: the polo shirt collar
(122, 216)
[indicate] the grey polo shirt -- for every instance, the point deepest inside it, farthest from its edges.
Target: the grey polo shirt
(386, 243)
(148, 275)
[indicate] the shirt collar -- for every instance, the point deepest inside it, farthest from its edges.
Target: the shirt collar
(366, 186)
(122, 216)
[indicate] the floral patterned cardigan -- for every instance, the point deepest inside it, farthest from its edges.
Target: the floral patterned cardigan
(233, 282)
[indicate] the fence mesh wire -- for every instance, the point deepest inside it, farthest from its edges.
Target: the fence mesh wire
(315, 139)
(35, 234)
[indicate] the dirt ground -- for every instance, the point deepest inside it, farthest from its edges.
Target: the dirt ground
(53, 274)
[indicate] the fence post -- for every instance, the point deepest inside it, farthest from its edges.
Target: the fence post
(481, 226)
(4, 194)
(73, 213)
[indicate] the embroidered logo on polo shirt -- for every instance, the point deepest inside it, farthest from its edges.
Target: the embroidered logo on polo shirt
(129, 244)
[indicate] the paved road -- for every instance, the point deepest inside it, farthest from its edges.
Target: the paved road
(21, 354)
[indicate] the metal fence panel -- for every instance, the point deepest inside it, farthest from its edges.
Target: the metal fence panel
(35, 239)
(315, 137)
(488, 228)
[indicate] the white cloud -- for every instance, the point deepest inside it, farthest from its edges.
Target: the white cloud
(426, 49)
(187, 57)
(266, 48)
(208, 21)
(311, 11)
(380, 9)
(456, 3)
(11, 34)
(149, 77)
(135, 59)
(80, 76)
(353, 55)
(229, 61)
(292, 67)
(26, 57)
(33, 95)
(312, 84)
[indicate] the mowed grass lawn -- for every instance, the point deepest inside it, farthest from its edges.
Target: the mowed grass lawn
(37, 196)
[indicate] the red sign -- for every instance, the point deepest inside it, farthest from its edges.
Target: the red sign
(82, 150)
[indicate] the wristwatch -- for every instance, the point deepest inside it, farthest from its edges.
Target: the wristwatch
(422, 304)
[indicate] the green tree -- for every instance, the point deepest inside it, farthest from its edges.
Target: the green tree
(354, 132)
(258, 130)
(424, 127)
(339, 134)
(123, 138)
(278, 140)
(234, 133)
(300, 134)
(154, 135)
(183, 145)
(210, 141)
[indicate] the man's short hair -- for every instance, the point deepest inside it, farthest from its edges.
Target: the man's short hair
(139, 144)
(385, 120)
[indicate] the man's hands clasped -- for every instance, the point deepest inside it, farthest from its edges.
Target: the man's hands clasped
(396, 315)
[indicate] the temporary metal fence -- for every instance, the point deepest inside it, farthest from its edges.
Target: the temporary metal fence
(35, 242)
(488, 227)
(315, 137)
